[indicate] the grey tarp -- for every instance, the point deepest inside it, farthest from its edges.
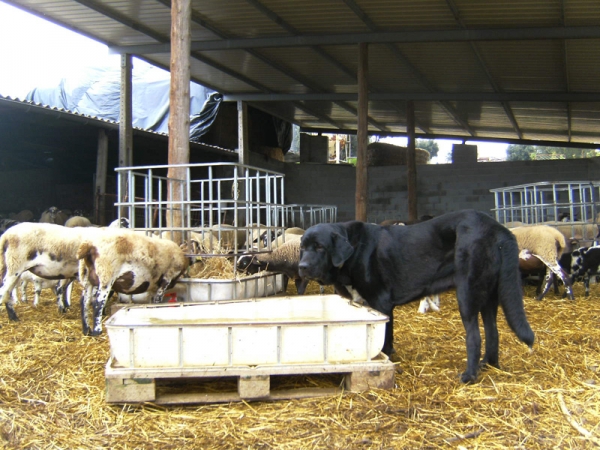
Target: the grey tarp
(96, 92)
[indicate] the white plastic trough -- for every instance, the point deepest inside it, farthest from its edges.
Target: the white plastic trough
(263, 284)
(271, 331)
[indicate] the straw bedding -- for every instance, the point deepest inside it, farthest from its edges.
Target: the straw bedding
(52, 391)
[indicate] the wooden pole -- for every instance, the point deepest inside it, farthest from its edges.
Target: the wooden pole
(125, 127)
(179, 118)
(101, 168)
(411, 161)
(125, 114)
(362, 187)
(243, 150)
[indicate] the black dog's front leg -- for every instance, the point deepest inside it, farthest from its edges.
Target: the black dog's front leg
(342, 291)
(388, 343)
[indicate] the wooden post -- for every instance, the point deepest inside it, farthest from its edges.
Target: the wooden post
(100, 189)
(179, 118)
(243, 150)
(362, 187)
(411, 162)
(239, 215)
(125, 126)
(125, 114)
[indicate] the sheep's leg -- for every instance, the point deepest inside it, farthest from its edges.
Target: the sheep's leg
(547, 284)
(565, 279)
(429, 302)
(85, 301)
(63, 295)
(160, 292)
(99, 303)
(586, 283)
(68, 290)
(37, 290)
(560, 273)
(424, 305)
(22, 286)
(6, 298)
(14, 295)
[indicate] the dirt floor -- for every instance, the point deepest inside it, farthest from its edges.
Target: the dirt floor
(52, 391)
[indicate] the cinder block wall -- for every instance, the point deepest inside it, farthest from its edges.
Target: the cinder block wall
(322, 184)
(441, 188)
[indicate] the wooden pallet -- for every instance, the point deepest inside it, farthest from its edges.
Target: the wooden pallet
(125, 385)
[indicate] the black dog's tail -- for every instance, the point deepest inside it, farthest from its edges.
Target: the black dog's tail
(510, 292)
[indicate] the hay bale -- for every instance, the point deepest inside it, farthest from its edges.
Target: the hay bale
(382, 154)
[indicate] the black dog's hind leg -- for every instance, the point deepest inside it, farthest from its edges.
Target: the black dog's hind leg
(470, 315)
(489, 315)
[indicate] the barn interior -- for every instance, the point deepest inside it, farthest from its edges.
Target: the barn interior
(522, 72)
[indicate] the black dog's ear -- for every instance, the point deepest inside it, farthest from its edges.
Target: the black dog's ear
(341, 250)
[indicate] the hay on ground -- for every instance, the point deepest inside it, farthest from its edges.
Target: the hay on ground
(52, 392)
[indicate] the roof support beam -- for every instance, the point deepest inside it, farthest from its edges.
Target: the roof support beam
(411, 162)
(583, 97)
(310, 85)
(395, 37)
(565, 55)
(450, 110)
(488, 74)
(362, 181)
(179, 118)
(588, 136)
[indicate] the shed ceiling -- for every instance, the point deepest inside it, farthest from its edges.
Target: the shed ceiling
(497, 69)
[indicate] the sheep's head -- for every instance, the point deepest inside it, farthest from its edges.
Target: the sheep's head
(249, 264)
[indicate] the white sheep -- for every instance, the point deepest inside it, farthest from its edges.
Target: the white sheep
(429, 303)
(514, 224)
(579, 231)
(54, 215)
(22, 216)
(78, 221)
(217, 239)
(47, 250)
(39, 284)
(5, 224)
(124, 262)
(288, 233)
(539, 246)
(284, 259)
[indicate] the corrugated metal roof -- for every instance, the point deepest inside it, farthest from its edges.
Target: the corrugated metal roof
(505, 69)
(55, 112)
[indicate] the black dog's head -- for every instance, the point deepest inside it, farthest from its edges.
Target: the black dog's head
(324, 248)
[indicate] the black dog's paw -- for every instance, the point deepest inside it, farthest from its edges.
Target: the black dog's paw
(468, 378)
(487, 362)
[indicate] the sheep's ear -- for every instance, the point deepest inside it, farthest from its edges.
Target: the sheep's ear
(341, 250)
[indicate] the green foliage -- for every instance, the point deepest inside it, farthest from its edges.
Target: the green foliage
(351, 161)
(428, 144)
(535, 152)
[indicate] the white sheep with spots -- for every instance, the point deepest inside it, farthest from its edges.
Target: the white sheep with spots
(47, 250)
(128, 263)
(39, 284)
(542, 245)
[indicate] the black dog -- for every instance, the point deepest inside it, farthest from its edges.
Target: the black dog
(391, 265)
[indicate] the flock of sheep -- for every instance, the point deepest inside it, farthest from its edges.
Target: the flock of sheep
(104, 259)
(116, 259)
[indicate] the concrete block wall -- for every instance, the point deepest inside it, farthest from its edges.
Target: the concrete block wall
(449, 187)
(441, 188)
(322, 184)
